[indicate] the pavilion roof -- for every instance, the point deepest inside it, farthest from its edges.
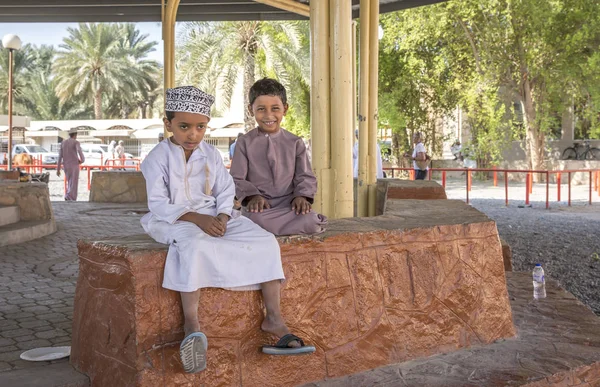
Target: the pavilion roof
(35, 11)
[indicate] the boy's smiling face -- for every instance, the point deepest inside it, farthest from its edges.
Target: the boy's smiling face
(268, 111)
(188, 129)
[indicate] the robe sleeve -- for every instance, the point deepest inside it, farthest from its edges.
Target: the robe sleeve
(224, 188)
(239, 172)
(60, 157)
(159, 203)
(305, 182)
(80, 152)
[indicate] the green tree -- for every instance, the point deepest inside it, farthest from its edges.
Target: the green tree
(103, 61)
(508, 59)
(22, 65)
(211, 55)
(40, 100)
(418, 82)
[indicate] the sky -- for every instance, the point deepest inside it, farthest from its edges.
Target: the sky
(53, 34)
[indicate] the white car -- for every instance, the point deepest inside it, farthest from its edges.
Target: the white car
(35, 151)
(97, 154)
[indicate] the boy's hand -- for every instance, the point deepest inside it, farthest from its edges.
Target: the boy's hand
(300, 205)
(257, 203)
(211, 225)
(223, 219)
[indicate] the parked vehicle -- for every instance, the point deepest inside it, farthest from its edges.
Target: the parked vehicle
(97, 154)
(35, 151)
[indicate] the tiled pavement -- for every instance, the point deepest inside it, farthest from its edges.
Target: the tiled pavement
(37, 278)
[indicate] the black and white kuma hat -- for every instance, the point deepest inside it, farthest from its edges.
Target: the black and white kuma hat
(188, 99)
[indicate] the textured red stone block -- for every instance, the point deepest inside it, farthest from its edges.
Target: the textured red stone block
(506, 255)
(364, 298)
(421, 193)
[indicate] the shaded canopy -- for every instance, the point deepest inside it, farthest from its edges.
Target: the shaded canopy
(34, 11)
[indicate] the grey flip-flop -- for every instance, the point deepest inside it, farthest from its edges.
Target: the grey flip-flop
(193, 352)
(281, 348)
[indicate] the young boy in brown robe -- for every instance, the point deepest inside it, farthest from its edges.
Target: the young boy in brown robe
(272, 174)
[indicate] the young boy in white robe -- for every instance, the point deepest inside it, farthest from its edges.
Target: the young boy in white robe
(190, 197)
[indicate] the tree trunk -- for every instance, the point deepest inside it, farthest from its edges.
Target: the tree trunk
(249, 73)
(535, 139)
(98, 104)
(396, 147)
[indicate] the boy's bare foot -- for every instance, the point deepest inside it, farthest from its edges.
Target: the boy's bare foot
(277, 327)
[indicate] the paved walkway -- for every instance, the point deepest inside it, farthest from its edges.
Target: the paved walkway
(37, 279)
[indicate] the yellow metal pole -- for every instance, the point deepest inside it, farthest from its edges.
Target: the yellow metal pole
(288, 5)
(169, 16)
(341, 112)
(354, 110)
(354, 65)
(320, 105)
(10, 108)
(363, 124)
(373, 111)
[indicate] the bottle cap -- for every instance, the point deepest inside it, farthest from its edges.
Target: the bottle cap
(538, 264)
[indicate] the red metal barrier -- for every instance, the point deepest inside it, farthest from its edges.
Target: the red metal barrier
(468, 185)
(590, 176)
(506, 188)
(495, 176)
(569, 182)
(527, 183)
(594, 178)
(547, 190)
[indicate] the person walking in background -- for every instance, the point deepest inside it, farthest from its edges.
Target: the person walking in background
(111, 149)
(69, 157)
(120, 153)
(419, 157)
(380, 174)
(232, 146)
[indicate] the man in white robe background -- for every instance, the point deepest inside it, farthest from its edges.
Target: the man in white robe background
(190, 197)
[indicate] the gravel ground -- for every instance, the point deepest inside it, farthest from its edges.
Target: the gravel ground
(565, 240)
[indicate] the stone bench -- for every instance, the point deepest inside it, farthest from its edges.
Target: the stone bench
(118, 187)
(398, 189)
(367, 293)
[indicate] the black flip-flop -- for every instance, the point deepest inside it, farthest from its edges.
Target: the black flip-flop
(281, 348)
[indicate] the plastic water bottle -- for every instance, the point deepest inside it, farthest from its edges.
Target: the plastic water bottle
(539, 282)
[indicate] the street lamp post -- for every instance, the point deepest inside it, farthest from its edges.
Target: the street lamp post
(12, 43)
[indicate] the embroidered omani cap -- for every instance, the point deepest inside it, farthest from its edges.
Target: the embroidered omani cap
(188, 99)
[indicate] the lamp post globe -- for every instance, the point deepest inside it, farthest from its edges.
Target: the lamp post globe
(11, 41)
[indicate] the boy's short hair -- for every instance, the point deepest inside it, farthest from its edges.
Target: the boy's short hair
(267, 86)
(169, 115)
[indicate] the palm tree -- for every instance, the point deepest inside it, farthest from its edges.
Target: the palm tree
(22, 65)
(211, 55)
(103, 60)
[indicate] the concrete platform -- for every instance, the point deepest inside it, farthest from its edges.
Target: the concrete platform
(59, 374)
(9, 215)
(557, 344)
(25, 231)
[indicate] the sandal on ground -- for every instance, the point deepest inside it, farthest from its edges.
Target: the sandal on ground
(281, 348)
(193, 352)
